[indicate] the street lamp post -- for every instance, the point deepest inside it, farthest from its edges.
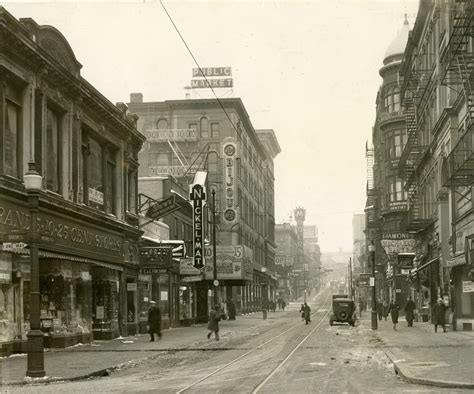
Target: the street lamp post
(374, 301)
(214, 257)
(35, 362)
(304, 283)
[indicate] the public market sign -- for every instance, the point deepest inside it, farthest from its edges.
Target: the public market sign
(198, 198)
(212, 77)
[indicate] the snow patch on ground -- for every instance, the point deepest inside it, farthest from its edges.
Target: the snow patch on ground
(13, 356)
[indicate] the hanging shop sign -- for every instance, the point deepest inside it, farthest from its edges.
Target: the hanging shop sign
(405, 260)
(280, 260)
(153, 271)
(198, 198)
(186, 267)
(156, 257)
(395, 243)
(162, 208)
(229, 151)
(300, 214)
(364, 280)
(175, 171)
(232, 261)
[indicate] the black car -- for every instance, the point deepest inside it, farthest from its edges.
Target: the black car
(342, 310)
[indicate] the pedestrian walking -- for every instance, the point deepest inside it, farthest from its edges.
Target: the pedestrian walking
(393, 310)
(154, 321)
(379, 310)
(213, 323)
(307, 313)
(302, 312)
(438, 315)
(409, 311)
(283, 304)
(231, 309)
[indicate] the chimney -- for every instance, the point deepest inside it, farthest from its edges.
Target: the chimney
(136, 97)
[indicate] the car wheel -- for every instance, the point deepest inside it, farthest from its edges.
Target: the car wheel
(342, 315)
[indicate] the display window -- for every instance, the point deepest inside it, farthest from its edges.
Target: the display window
(105, 299)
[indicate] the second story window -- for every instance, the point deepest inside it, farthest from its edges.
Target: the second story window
(53, 150)
(215, 130)
(95, 175)
(11, 141)
(111, 192)
(204, 128)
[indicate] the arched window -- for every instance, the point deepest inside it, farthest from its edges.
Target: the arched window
(204, 128)
(162, 124)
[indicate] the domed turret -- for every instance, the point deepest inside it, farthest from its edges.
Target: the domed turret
(397, 46)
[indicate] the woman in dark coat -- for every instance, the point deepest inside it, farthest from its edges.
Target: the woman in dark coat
(307, 313)
(409, 311)
(393, 310)
(154, 321)
(213, 324)
(438, 315)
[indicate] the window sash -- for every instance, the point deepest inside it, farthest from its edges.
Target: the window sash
(10, 140)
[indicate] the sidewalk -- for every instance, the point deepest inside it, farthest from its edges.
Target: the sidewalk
(102, 357)
(422, 356)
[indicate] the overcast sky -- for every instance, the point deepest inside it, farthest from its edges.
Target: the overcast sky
(307, 69)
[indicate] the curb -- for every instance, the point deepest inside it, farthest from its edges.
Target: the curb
(399, 370)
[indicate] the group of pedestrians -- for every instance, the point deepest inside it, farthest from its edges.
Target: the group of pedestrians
(438, 313)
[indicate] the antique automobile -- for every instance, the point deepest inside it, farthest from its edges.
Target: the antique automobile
(342, 310)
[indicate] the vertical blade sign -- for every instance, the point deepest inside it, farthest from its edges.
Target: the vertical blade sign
(197, 196)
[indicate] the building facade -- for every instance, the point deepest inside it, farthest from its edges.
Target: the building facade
(286, 241)
(86, 150)
(438, 159)
(313, 254)
(387, 208)
(186, 136)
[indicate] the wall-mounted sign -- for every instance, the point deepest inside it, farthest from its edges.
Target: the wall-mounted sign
(233, 262)
(186, 267)
(96, 196)
(175, 171)
(280, 260)
(229, 151)
(198, 198)
(131, 287)
(162, 208)
(164, 135)
(395, 243)
(467, 287)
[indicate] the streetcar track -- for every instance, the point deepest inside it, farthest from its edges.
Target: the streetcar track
(216, 371)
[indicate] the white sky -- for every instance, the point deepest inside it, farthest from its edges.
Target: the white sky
(307, 69)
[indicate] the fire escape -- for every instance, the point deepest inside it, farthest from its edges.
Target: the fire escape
(417, 87)
(458, 74)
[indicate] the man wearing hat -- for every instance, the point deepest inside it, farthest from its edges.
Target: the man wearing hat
(154, 321)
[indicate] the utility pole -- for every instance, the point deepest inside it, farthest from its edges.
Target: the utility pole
(374, 294)
(214, 257)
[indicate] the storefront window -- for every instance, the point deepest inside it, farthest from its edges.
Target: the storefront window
(185, 302)
(163, 281)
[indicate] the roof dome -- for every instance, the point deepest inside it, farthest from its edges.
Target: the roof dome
(397, 46)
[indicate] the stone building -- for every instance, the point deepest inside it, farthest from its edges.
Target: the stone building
(86, 150)
(437, 162)
(218, 138)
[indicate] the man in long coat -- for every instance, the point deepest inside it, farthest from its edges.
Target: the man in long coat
(154, 321)
(213, 324)
(438, 315)
(393, 310)
(409, 311)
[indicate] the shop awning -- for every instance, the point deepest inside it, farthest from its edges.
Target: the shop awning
(425, 265)
(460, 259)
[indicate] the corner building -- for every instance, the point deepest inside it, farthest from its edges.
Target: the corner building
(185, 136)
(86, 150)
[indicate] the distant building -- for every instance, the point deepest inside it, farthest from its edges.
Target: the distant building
(286, 241)
(313, 254)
